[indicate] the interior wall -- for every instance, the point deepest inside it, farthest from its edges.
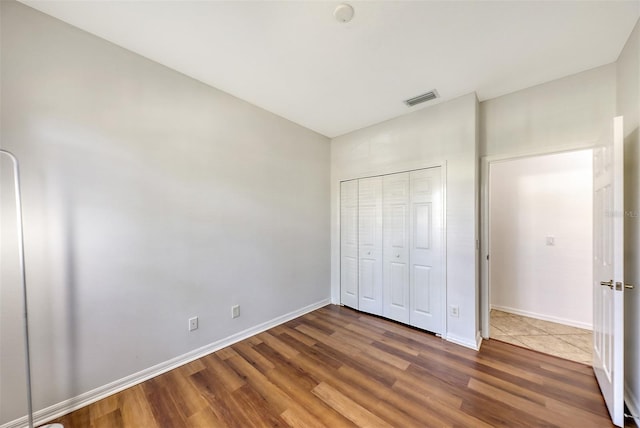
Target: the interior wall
(532, 199)
(149, 198)
(564, 114)
(628, 102)
(444, 134)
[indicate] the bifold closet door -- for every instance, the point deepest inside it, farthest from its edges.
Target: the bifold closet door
(349, 243)
(396, 247)
(426, 259)
(391, 247)
(370, 245)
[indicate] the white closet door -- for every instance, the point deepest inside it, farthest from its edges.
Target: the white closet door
(370, 245)
(396, 247)
(426, 260)
(349, 243)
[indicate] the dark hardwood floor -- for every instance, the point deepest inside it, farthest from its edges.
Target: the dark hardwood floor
(336, 367)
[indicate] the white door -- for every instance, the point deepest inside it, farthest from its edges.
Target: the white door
(608, 288)
(425, 260)
(370, 245)
(349, 243)
(396, 247)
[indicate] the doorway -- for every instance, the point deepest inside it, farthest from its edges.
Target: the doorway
(539, 265)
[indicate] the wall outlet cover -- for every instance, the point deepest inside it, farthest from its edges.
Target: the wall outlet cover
(193, 323)
(454, 311)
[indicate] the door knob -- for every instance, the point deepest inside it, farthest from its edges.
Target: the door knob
(398, 256)
(619, 286)
(607, 283)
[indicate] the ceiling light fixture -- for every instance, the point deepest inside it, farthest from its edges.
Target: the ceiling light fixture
(344, 13)
(427, 96)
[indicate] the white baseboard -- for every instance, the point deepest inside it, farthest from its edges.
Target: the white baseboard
(632, 403)
(462, 341)
(478, 341)
(544, 317)
(67, 406)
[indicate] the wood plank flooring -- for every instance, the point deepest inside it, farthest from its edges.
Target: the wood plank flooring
(336, 367)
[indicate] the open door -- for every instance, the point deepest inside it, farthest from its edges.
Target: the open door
(608, 281)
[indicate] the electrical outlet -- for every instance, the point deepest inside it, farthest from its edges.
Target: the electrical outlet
(193, 323)
(454, 311)
(235, 311)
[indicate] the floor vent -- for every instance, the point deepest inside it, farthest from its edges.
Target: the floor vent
(428, 96)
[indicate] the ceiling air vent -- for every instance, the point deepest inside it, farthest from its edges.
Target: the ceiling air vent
(428, 96)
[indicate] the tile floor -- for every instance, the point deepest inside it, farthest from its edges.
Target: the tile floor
(559, 340)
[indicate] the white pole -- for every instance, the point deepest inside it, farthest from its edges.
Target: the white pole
(16, 180)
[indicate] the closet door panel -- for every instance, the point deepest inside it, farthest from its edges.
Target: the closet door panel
(422, 289)
(367, 279)
(397, 285)
(396, 247)
(426, 255)
(423, 225)
(370, 244)
(349, 243)
(398, 216)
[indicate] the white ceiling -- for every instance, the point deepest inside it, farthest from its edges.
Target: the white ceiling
(294, 59)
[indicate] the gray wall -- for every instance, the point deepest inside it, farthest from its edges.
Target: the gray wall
(628, 105)
(148, 198)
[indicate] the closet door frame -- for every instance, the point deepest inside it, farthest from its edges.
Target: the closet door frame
(408, 169)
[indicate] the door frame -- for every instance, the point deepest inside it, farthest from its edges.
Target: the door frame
(485, 271)
(388, 171)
